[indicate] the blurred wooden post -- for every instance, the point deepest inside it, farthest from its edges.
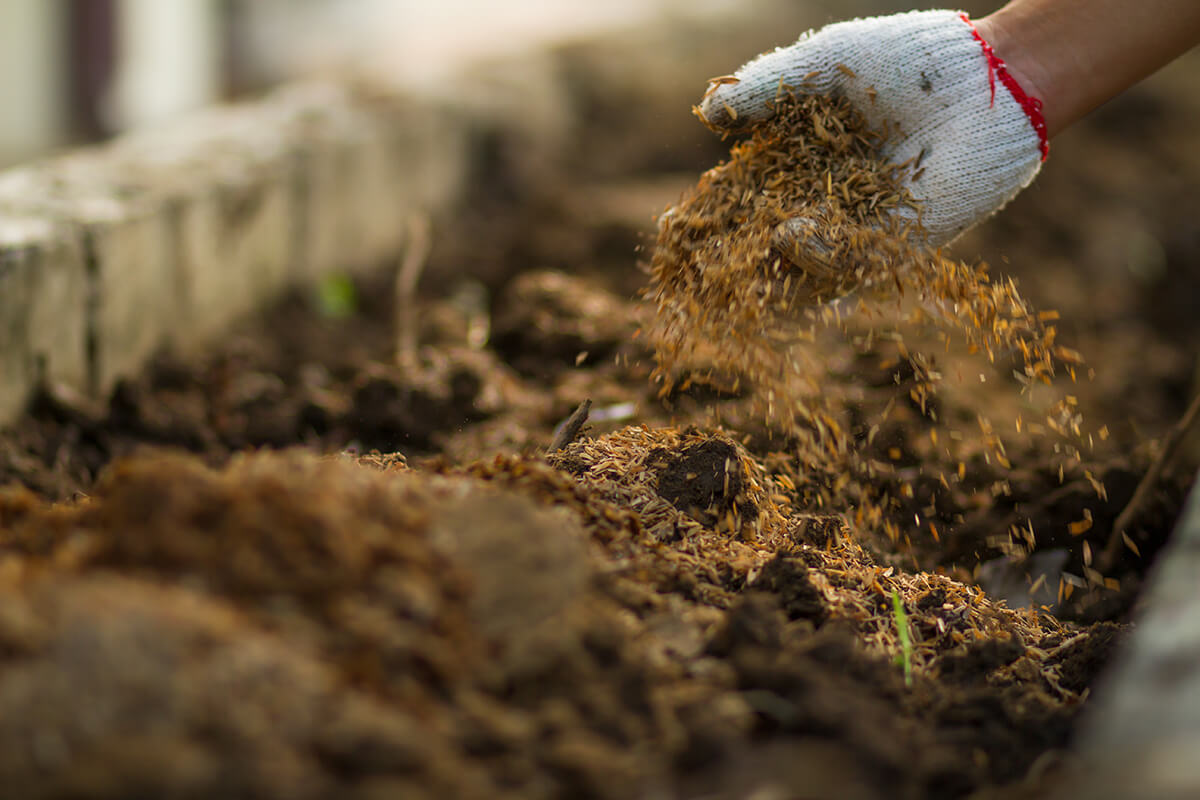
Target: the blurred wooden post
(91, 52)
(1142, 735)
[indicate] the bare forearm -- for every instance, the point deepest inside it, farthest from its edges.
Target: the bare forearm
(1075, 54)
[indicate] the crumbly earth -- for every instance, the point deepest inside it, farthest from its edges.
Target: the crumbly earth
(319, 627)
(294, 568)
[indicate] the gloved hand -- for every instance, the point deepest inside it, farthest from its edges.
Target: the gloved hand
(972, 136)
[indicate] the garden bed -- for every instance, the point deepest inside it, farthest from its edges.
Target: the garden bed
(318, 562)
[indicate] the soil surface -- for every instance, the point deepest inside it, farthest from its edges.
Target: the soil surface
(307, 565)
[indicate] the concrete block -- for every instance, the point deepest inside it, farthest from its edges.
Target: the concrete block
(337, 225)
(16, 279)
(368, 165)
(126, 249)
(58, 335)
(224, 185)
(136, 296)
(438, 148)
(43, 297)
(184, 228)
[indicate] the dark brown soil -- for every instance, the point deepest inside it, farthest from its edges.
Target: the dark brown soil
(294, 568)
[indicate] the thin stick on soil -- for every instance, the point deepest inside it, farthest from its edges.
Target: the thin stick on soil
(1165, 456)
(570, 427)
(416, 254)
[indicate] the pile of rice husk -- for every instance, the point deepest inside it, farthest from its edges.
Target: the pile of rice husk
(806, 235)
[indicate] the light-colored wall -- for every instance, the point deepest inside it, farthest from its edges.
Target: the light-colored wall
(31, 78)
(169, 63)
(171, 51)
(170, 60)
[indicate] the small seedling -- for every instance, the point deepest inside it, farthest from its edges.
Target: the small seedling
(336, 297)
(904, 657)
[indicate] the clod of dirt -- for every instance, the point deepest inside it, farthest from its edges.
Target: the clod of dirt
(112, 687)
(756, 621)
(545, 320)
(679, 481)
(528, 566)
(787, 578)
(1081, 660)
(394, 411)
(704, 481)
(819, 530)
(980, 658)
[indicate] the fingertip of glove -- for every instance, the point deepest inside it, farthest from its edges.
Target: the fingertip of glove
(713, 115)
(714, 109)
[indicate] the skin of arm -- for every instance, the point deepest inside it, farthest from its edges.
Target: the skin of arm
(1075, 54)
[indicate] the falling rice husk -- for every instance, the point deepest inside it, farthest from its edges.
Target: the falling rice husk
(804, 234)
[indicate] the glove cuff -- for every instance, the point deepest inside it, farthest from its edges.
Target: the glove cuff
(998, 70)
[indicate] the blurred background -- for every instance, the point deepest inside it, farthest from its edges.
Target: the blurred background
(73, 71)
(1108, 234)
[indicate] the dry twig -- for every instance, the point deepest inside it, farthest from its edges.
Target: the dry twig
(570, 427)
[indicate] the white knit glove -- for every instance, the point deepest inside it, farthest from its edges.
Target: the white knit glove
(974, 137)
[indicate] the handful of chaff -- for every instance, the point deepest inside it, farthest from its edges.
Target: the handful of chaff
(806, 211)
(744, 278)
(803, 212)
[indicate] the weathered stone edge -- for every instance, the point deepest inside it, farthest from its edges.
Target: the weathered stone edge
(164, 237)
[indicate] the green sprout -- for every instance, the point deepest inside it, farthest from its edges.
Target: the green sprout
(904, 657)
(336, 297)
